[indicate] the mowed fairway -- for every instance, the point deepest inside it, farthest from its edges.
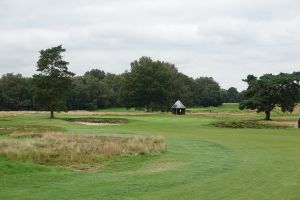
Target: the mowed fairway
(201, 162)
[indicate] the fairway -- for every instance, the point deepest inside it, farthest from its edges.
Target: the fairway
(201, 161)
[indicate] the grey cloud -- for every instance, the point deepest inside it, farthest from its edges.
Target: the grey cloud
(224, 39)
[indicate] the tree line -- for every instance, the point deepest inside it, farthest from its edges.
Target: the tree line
(151, 85)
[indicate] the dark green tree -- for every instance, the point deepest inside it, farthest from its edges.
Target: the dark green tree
(88, 92)
(79, 97)
(231, 95)
(269, 91)
(15, 92)
(148, 85)
(96, 73)
(207, 92)
(53, 81)
(182, 88)
(114, 82)
(99, 92)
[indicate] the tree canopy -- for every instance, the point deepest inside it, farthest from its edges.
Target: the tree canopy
(151, 85)
(147, 85)
(208, 92)
(90, 92)
(156, 85)
(96, 73)
(265, 93)
(15, 92)
(231, 95)
(53, 81)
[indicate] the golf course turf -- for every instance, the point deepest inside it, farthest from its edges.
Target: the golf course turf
(201, 161)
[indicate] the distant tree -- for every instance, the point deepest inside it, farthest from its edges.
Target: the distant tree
(114, 82)
(127, 93)
(182, 88)
(207, 92)
(99, 92)
(96, 73)
(269, 91)
(15, 92)
(53, 83)
(88, 92)
(79, 97)
(231, 95)
(147, 85)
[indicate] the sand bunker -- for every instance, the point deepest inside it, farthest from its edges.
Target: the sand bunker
(97, 123)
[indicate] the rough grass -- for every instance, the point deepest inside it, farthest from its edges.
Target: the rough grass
(75, 151)
(233, 108)
(255, 124)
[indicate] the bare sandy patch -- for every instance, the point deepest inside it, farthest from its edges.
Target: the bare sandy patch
(161, 166)
(96, 124)
(16, 113)
(285, 122)
(80, 112)
(98, 121)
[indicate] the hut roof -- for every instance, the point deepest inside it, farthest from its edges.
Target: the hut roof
(178, 104)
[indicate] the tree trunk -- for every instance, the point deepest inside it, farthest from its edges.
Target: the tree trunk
(268, 115)
(51, 114)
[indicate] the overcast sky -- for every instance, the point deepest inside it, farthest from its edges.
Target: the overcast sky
(224, 39)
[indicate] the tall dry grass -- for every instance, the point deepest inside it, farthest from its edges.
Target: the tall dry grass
(52, 148)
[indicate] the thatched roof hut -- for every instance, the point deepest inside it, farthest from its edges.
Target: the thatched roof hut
(178, 108)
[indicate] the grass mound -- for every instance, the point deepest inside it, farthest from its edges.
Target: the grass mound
(248, 124)
(75, 151)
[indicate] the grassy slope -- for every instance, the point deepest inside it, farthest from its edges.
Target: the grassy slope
(202, 162)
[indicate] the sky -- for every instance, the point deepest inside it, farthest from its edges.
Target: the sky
(226, 40)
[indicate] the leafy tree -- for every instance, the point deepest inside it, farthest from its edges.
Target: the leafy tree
(99, 92)
(88, 92)
(96, 73)
(182, 88)
(53, 83)
(15, 92)
(208, 92)
(79, 97)
(231, 95)
(147, 85)
(269, 91)
(114, 82)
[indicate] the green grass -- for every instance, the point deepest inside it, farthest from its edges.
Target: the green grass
(227, 107)
(202, 161)
(234, 108)
(116, 110)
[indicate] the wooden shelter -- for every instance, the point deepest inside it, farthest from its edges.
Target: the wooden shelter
(178, 108)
